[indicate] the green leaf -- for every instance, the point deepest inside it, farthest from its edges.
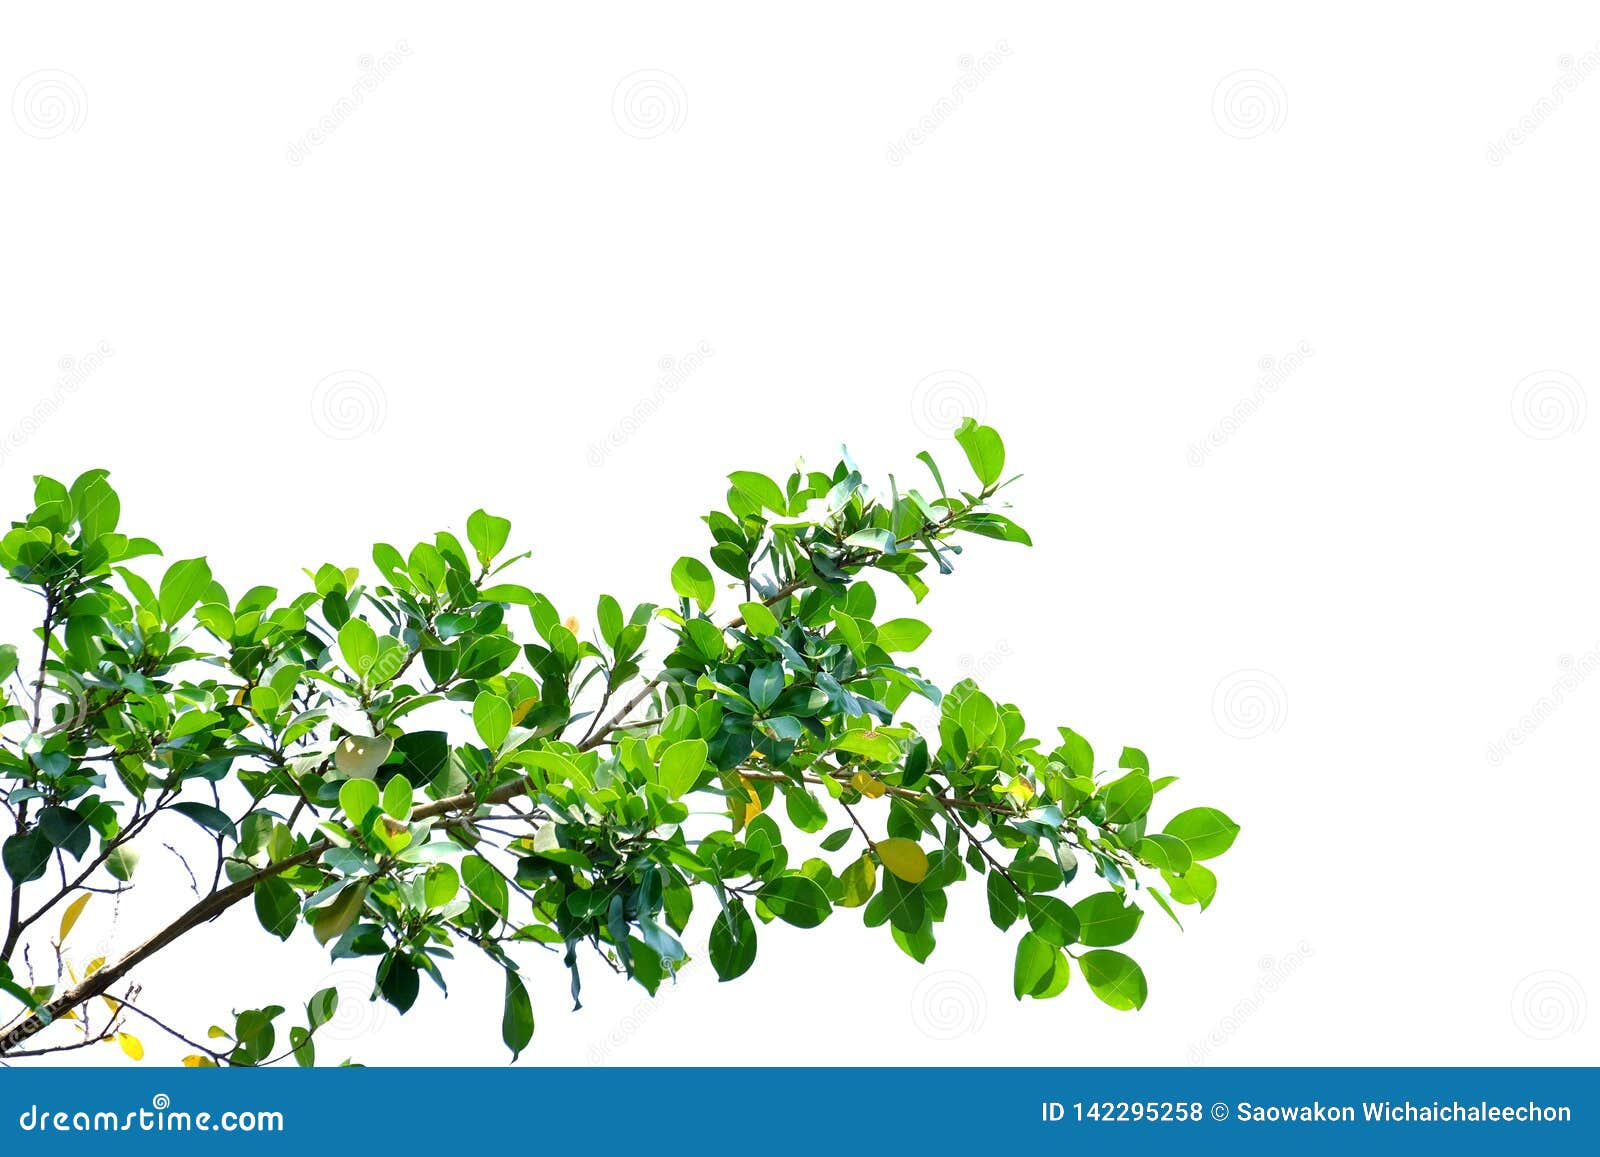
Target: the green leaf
(758, 619)
(516, 1025)
(358, 797)
(804, 811)
(1207, 831)
(1037, 872)
(1035, 963)
(358, 644)
(1115, 979)
(397, 798)
(1077, 752)
(487, 534)
(303, 1047)
(181, 588)
(984, 450)
(332, 921)
(681, 765)
(692, 580)
(121, 863)
(556, 765)
(796, 900)
(1196, 886)
(440, 884)
(837, 839)
(1052, 920)
(214, 819)
(1104, 920)
(761, 490)
(1168, 853)
(491, 715)
(902, 634)
(27, 856)
(321, 1007)
(907, 906)
(277, 906)
(485, 883)
(766, 684)
(1004, 903)
(857, 882)
(1127, 799)
(608, 614)
(733, 942)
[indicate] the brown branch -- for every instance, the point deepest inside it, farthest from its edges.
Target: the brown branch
(213, 905)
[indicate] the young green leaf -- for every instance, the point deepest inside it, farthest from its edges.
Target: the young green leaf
(516, 1024)
(985, 451)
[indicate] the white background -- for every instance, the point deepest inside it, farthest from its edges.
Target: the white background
(1322, 617)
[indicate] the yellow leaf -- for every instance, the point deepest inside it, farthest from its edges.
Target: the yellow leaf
(1021, 789)
(868, 786)
(70, 916)
(238, 696)
(215, 1033)
(750, 810)
(904, 858)
(111, 1004)
(68, 1015)
(130, 1045)
(194, 1061)
(521, 711)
